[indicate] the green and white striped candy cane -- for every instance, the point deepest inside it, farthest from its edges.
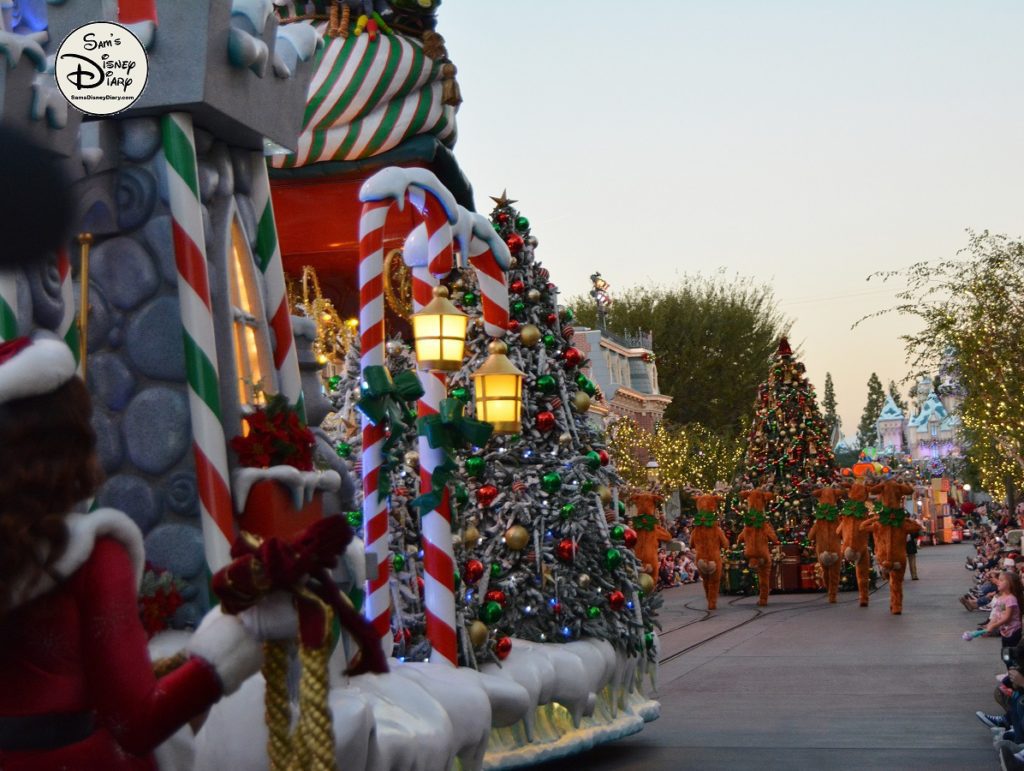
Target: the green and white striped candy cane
(8, 305)
(208, 442)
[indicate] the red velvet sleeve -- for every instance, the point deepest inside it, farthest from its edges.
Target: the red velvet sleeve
(138, 710)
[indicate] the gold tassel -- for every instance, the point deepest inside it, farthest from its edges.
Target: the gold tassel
(332, 19)
(433, 45)
(345, 15)
(168, 664)
(450, 92)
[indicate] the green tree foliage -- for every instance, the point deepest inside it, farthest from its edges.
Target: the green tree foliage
(713, 336)
(894, 392)
(867, 431)
(972, 312)
(828, 404)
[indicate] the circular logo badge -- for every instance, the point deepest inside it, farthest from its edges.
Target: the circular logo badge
(101, 68)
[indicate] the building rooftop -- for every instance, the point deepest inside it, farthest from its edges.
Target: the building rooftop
(891, 410)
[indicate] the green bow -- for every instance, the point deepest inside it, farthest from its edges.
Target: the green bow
(826, 511)
(388, 400)
(705, 519)
(448, 430)
(754, 518)
(855, 509)
(891, 517)
(645, 522)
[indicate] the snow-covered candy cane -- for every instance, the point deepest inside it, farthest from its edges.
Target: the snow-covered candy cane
(484, 250)
(391, 187)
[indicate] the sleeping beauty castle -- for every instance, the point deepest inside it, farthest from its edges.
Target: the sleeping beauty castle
(930, 428)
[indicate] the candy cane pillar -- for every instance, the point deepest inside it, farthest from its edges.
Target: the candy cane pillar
(208, 443)
(8, 305)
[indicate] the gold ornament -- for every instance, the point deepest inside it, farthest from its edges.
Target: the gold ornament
(530, 335)
(516, 537)
(533, 295)
(583, 580)
(478, 632)
(565, 439)
(646, 583)
(470, 535)
(605, 493)
(580, 402)
(333, 335)
(398, 284)
(412, 458)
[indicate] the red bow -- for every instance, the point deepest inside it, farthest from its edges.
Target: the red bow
(300, 566)
(12, 348)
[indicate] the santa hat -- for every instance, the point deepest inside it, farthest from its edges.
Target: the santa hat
(33, 367)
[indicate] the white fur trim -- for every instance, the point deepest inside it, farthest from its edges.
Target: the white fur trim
(41, 368)
(83, 532)
(225, 643)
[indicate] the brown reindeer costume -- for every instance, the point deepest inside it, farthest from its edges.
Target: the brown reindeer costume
(824, 532)
(756, 535)
(708, 540)
(854, 540)
(890, 526)
(649, 532)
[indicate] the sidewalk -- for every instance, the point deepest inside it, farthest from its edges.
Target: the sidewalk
(809, 685)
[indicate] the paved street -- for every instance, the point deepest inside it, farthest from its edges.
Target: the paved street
(808, 685)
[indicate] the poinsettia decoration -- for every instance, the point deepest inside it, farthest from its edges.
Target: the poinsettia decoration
(277, 436)
(159, 597)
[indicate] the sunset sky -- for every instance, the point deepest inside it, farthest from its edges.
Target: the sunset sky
(806, 144)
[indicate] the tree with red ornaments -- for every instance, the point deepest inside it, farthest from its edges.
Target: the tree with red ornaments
(788, 444)
(542, 556)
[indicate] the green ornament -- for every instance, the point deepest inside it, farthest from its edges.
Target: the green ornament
(522, 224)
(496, 226)
(549, 340)
(490, 613)
(456, 578)
(495, 569)
(344, 449)
(622, 507)
(475, 466)
(546, 384)
(618, 532)
(567, 314)
(568, 510)
(461, 495)
(354, 518)
(593, 460)
(612, 558)
(586, 385)
(593, 612)
(551, 482)
(587, 487)
(461, 393)
(469, 299)
(514, 438)
(518, 307)
(333, 382)
(649, 639)
(398, 562)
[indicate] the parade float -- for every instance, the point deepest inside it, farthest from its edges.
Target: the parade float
(522, 629)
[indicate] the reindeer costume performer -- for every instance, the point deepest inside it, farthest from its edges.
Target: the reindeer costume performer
(825, 535)
(649, 532)
(757, 533)
(855, 541)
(708, 540)
(890, 527)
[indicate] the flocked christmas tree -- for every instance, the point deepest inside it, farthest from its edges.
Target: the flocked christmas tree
(542, 555)
(789, 448)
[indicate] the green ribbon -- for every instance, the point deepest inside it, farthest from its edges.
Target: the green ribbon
(855, 509)
(705, 519)
(388, 401)
(646, 522)
(826, 511)
(448, 430)
(754, 518)
(891, 517)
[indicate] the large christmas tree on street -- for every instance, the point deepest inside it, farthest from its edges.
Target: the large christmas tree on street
(542, 556)
(789, 448)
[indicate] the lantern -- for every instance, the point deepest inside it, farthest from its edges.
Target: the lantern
(498, 387)
(439, 329)
(652, 471)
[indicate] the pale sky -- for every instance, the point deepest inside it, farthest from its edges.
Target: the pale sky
(806, 144)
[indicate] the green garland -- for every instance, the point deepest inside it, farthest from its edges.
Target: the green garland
(826, 511)
(891, 517)
(754, 518)
(855, 509)
(646, 522)
(705, 519)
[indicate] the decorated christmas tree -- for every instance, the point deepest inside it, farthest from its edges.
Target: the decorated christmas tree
(789, 448)
(542, 556)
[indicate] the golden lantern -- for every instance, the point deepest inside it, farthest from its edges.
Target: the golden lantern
(498, 391)
(653, 472)
(439, 329)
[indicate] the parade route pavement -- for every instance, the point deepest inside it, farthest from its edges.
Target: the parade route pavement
(808, 685)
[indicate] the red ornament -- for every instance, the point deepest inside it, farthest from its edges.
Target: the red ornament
(516, 287)
(551, 319)
(503, 647)
(552, 287)
(604, 457)
(573, 357)
(503, 217)
(556, 608)
(568, 332)
(473, 571)
(486, 494)
(629, 537)
(514, 243)
(617, 600)
(565, 550)
(402, 635)
(419, 585)
(545, 421)
(513, 325)
(544, 273)
(495, 595)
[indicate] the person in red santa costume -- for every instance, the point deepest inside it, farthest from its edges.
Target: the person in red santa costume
(77, 689)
